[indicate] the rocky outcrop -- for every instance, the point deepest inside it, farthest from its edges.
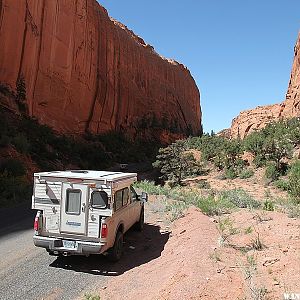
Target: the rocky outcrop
(85, 72)
(254, 119)
(292, 107)
(257, 118)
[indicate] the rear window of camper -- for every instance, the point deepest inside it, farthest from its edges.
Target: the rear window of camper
(73, 202)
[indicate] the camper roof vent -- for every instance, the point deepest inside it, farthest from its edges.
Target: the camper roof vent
(79, 171)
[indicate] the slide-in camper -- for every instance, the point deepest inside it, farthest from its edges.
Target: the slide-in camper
(85, 212)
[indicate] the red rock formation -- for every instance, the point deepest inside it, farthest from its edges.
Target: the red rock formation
(86, 72)
(257, 118)
(249, 120)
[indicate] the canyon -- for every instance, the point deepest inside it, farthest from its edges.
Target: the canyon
(254, 119)
(85, 72)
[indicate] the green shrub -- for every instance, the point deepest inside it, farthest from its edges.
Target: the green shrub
(259, 161)
(150, 188)
(254, 143)
(21, 143)
(176, 163)
(89, 296)
(273, 143)
(293, 210)
(4, 140)
(282, 184)
(271, 171)
(13, 167)
(240, 198)
(294, 180)
(203, 184)
(249, 230)
(13, 190)
(230, 173)
(268, 205)
(246, 173)
(214, 206)
(176, 209)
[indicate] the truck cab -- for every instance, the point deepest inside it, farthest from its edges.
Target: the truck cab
(81, 212)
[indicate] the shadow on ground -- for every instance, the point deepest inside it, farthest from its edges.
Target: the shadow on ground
(16, 219)
(139, 248)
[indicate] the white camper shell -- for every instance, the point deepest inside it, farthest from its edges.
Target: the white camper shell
(85, 212)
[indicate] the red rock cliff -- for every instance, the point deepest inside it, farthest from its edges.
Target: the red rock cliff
(86, 72)
(257, 118)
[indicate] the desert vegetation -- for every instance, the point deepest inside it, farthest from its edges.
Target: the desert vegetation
(272, 150)
(27, 146)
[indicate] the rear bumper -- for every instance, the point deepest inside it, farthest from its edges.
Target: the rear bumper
(55, 244)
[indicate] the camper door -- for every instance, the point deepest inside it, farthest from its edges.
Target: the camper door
(74, 208)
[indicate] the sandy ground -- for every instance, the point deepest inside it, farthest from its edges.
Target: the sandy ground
(197, 260)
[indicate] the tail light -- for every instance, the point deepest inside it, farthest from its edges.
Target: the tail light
(36, 224)
(104, 231)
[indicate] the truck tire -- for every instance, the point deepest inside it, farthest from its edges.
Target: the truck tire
(115, 253)
(139, 226)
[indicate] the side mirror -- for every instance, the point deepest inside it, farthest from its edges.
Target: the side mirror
(144, 197)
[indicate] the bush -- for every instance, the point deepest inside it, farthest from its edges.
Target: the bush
(215, 206)
(294, 180)
(230, 173)
(293, 209)
(4, 141)
(282, 184)
(176, 209)
(271, 171)
(246, 173)
(13, 190)
(268, 205)
(203, 184)
(89, 296)
(273, 143)
(150, 188)
(21, 143)
(176, 163)
(290, 206)
(13, 167)
(240, 198)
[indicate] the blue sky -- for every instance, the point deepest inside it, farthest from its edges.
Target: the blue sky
(239, 52)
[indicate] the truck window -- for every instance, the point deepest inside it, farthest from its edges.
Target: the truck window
(125, 196)
(133, 194)
(99, 199)
(73, 202)
(121, 198)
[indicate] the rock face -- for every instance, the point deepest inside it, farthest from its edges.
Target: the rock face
(257, 118)
(85, 72)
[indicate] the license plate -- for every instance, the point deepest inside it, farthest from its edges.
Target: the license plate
(69, 244)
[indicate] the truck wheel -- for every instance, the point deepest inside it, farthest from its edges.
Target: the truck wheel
(50, 252)
(115, 253)
(139, 226)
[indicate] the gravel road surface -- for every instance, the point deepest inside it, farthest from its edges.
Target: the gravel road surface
(28, 272)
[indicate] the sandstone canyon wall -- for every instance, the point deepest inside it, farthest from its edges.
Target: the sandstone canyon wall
(257, 118)
(85, 72)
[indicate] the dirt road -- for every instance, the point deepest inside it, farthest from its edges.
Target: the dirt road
(27, 272)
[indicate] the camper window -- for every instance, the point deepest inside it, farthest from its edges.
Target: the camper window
(73, 202)
(118, 200)
(99, 199)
